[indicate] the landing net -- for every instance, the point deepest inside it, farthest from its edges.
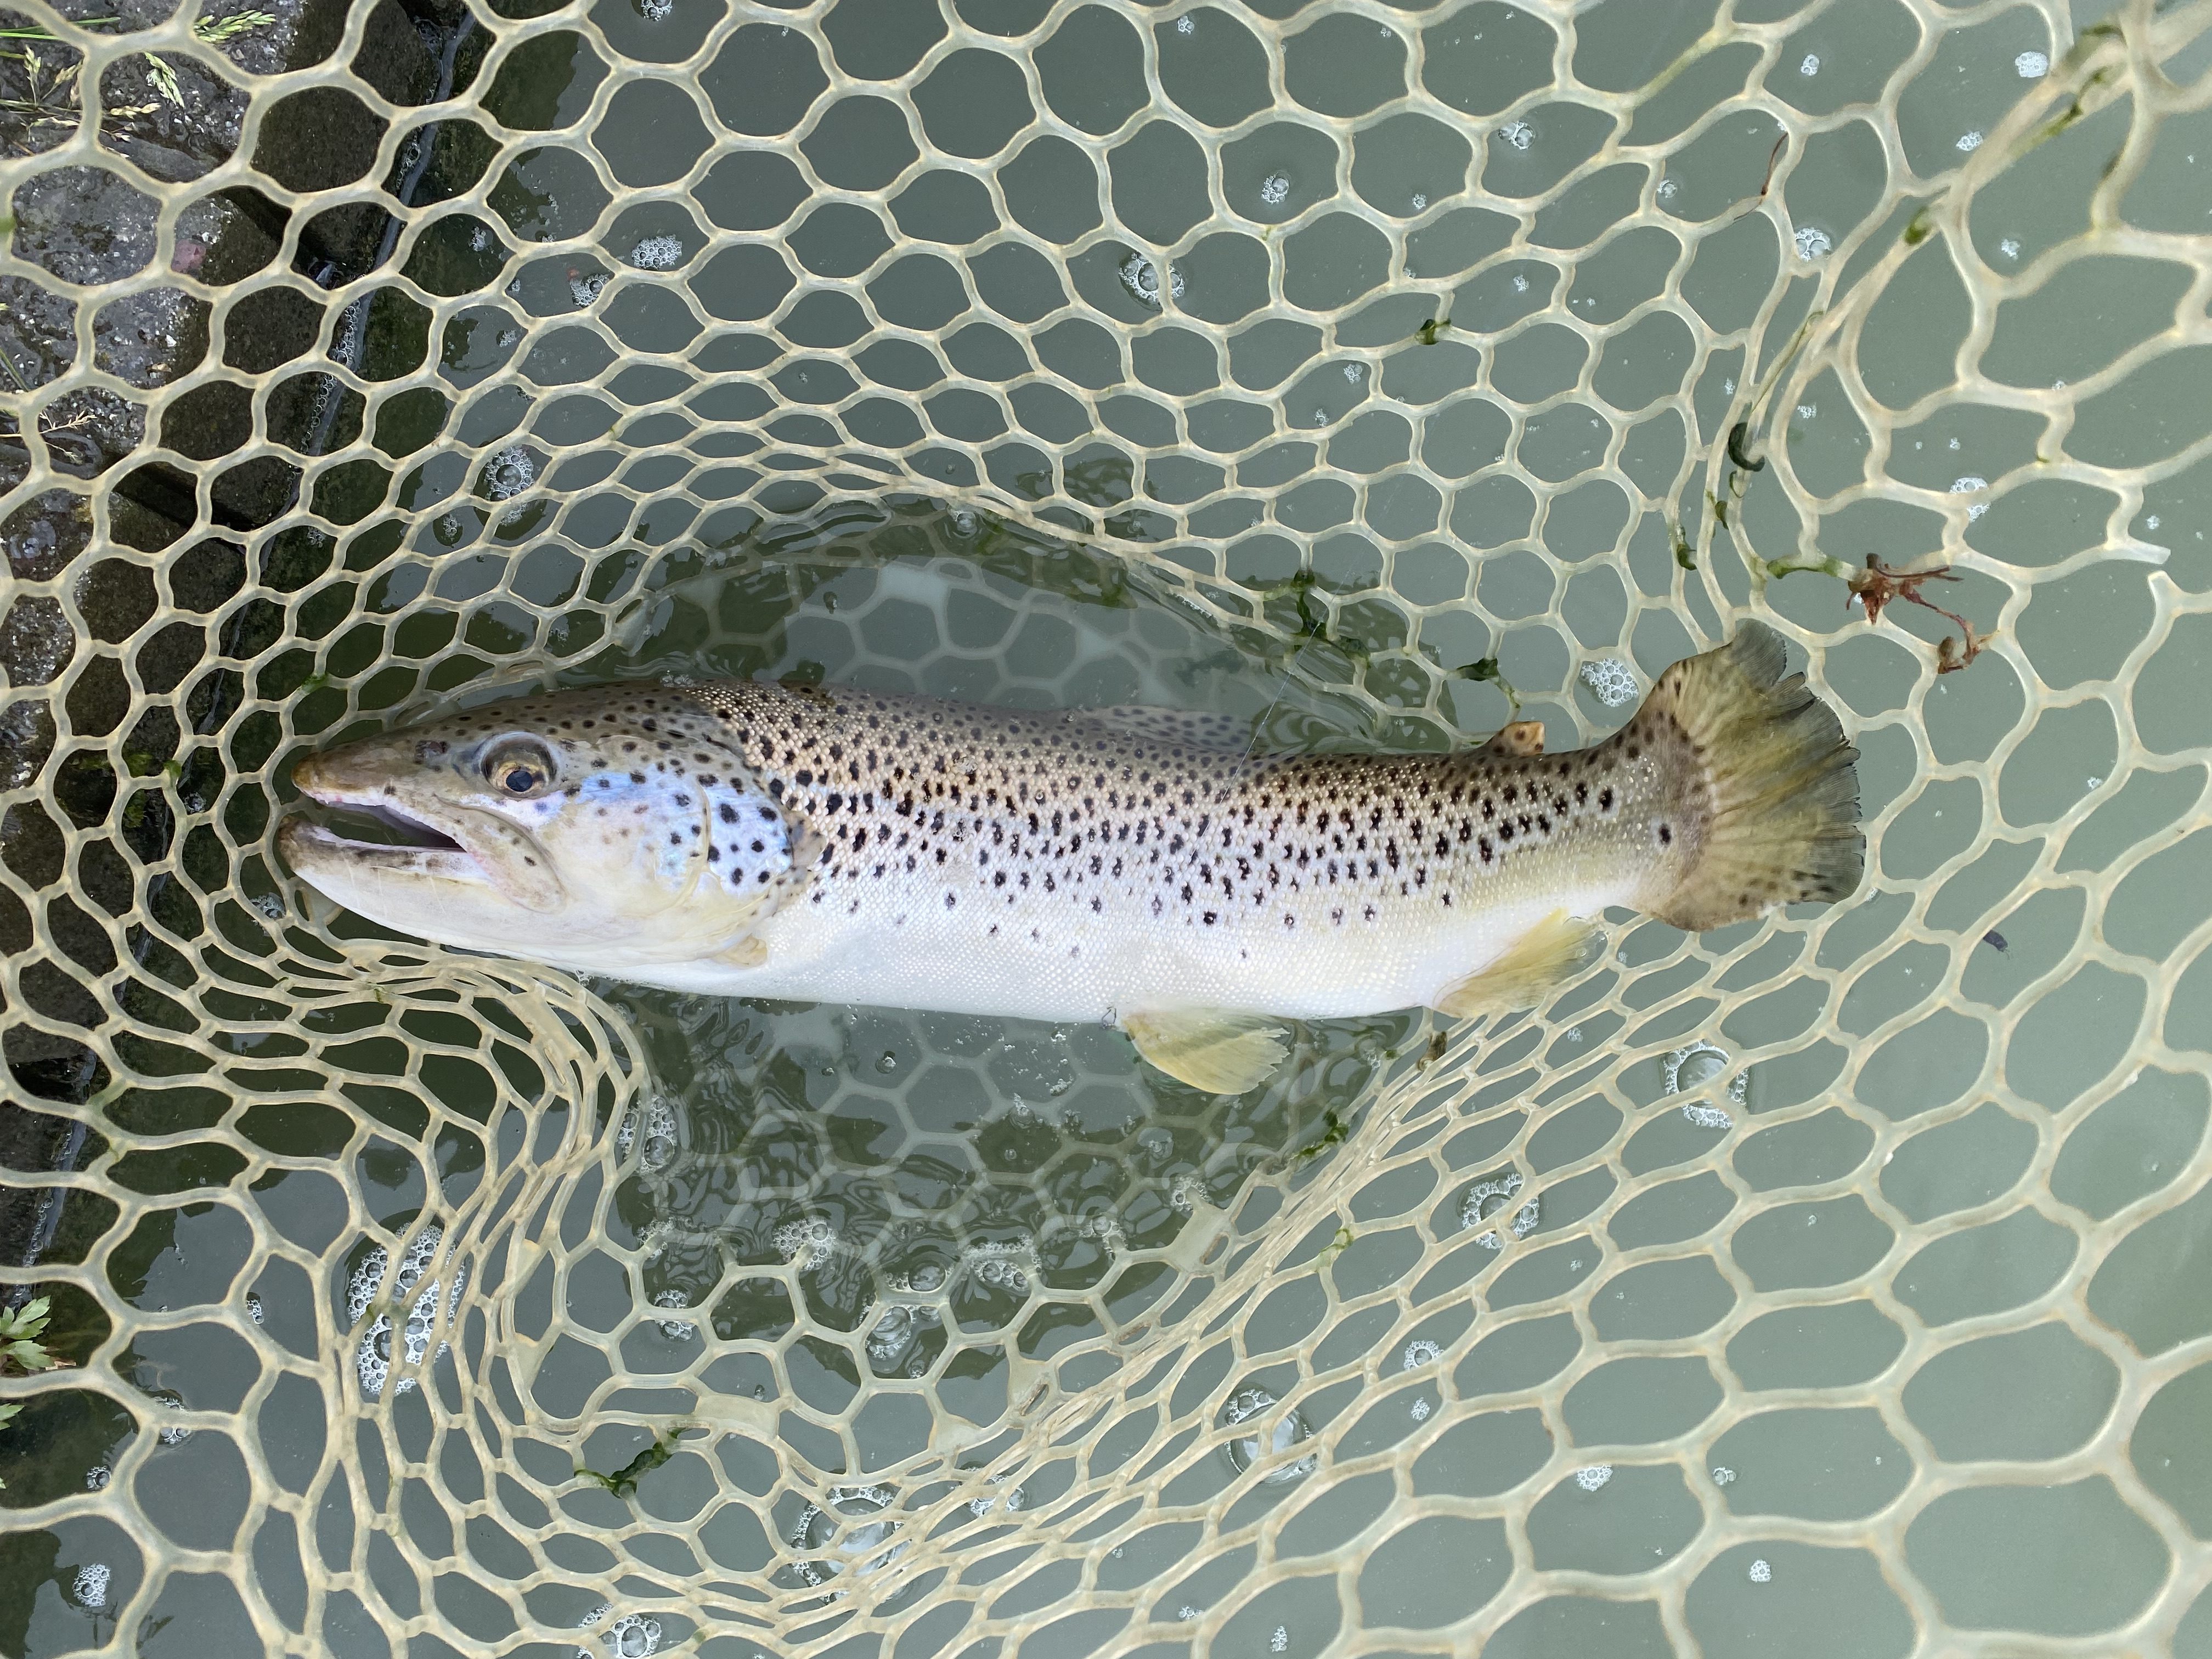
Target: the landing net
(1829, 1286)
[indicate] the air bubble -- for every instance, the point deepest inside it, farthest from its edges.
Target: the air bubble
(1419, 201)
(89, 1586)
(1279, 1641)
(1275, 189)
(1761, 1573)
(1611, 680)
(584, 289)
(1967, 485)
(1722, 1475)
(633, 1636)
(676, 1330)
(254, 1310)
(1519, 134)
(1418, 1352)
(97, 1477)
(1420, 1411)
(1186, 26)
(1813, 242)
(1969, 143)
(810, 1242)
(887, 1062)
(1594, 1476)
(655, 11)
(1693, 1066)
(828, 1528)
(373, 1357)
(656, 1118)
(2031, 65)
(1289, 1429)
(1003, 1266)
(2010, 247)
(963, 524)
(1810, 66)
(1140, 275)
(508, 473)
(1485, 1200)
(657, 253)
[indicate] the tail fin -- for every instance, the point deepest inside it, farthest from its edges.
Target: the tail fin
(1785, 823)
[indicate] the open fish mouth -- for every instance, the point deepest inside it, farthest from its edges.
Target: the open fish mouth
(354, 838)
(352, 825)
(382, 827)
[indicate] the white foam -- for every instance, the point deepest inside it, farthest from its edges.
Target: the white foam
(509, 472)
(1140, 275)
(1612, 680)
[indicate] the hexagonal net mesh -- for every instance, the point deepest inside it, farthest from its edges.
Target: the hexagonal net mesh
(1832, 1285)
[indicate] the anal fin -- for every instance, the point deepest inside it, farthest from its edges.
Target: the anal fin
(1223, 1054)
(1534, 966)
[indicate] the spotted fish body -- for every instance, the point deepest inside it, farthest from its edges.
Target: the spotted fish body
(1086, 865)
(1138, 867)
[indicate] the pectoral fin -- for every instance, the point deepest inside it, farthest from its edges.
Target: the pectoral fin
(1536, 964)
(1220, 1053)
(751, 951)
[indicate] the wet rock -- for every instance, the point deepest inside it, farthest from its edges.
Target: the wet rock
(86, 225)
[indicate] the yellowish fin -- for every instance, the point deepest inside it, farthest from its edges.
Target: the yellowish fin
(1221, 1053)
(751, 951)
(1785, 798)
(1518, 738)
(1540, 961)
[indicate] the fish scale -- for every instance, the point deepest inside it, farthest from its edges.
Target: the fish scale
(1076, 867)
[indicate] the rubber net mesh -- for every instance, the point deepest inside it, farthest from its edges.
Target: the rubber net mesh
(1832, 1284)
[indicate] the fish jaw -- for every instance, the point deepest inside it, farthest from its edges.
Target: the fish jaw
(484, 859)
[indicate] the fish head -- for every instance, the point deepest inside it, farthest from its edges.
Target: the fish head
(601, 829)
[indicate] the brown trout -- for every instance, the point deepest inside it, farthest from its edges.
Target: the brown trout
(1133, 866)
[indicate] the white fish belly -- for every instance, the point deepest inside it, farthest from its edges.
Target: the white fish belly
(1041, 958)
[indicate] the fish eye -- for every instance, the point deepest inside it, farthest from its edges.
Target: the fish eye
(520, 767)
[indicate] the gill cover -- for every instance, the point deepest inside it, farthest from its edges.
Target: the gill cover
(601, 829)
